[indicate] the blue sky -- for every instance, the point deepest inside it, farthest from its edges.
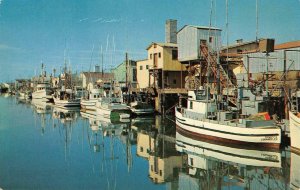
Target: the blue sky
(51, 31)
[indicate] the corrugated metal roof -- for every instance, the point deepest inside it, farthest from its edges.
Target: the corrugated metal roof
(200, 27)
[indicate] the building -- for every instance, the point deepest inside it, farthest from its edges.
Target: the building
(124, 73)
(189, 39)
(161, 69)
(143, 76)
(93, 77)
(281, 67)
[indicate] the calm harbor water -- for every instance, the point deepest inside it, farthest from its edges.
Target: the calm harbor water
(44, 147)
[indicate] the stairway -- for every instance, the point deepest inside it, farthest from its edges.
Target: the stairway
(211, 58)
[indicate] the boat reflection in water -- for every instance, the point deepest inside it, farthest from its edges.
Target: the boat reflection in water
(108, 137)
(65, 114)
(215, 166)
(41, 112)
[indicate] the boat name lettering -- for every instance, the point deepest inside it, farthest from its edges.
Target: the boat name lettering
(269, 138)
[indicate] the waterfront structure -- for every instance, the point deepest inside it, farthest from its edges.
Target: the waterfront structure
(190, 38)
(142, 73)
(161, 69)
(126, 73)
(94, 77)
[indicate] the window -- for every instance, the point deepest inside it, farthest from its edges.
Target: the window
(150, 55)
(134, 78)
(174, 81)
(210, 39)
(141, 67)
(160, 172)
(191, 105)
(159, 55)
(141, 149)
(95, 96)
(192, 161)
(147, 66)
(152, 168)
(174, 54)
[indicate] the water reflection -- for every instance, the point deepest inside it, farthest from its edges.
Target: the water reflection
(144, 151)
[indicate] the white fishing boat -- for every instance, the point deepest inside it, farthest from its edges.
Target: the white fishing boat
(66, 98)
(202, 118)
(42, 91)
(89, 102)
(294, 132)
(112, 108)
(141, 108)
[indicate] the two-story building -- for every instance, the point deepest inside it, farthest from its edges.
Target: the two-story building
(164, 69)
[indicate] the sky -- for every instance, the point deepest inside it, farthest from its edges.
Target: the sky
(53, 32)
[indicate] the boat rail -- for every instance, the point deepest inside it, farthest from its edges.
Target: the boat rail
(234, 122)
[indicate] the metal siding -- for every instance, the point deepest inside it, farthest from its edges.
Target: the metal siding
(276, 61)
(187, 47)
(188, 40)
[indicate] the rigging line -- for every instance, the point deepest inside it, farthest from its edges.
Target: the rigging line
(227, 44)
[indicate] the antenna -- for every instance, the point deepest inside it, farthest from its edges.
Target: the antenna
(256, 20)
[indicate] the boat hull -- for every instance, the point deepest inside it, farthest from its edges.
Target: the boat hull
(294, 132)
(264, 137)
(88, 104)
(67, 103)
(41, 94)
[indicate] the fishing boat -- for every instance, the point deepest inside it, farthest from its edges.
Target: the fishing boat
(42, 91)
(89, 102)
(202, 118)
(66, 98)
(140, 106)
(112, 108)
(295, 131)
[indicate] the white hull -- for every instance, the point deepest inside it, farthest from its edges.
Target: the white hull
(40, 94)
(113, 111)
(196, 149)
(142, 111)
(294, 132)
(88, 104)
(267, 137)
(295, 172)
(67, 103)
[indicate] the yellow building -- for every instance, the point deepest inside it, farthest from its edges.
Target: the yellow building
(161, 69)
